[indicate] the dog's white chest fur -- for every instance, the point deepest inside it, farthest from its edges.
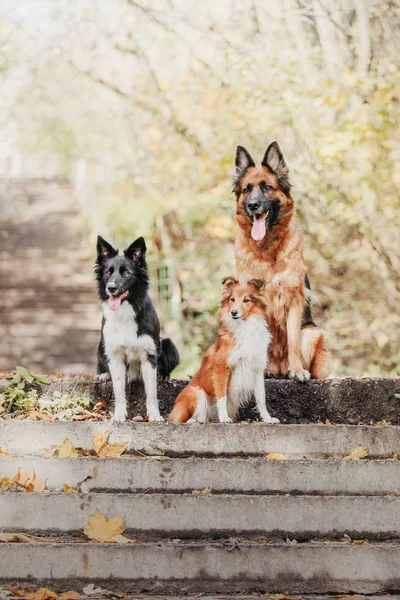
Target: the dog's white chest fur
(249, 357)
(120, 334)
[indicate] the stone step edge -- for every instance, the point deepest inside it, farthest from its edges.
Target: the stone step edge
(207, 568)
(294, 440)
(157, 516)
(246, 475)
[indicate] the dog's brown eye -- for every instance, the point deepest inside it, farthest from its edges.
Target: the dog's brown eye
(246, 300)
(232, 299)
(247, 189)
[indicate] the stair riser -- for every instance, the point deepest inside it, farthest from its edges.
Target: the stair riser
(296, 441)
(251, 475)
(198, 568)
(301, 517)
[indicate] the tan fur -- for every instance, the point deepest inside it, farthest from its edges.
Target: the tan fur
(278, 260)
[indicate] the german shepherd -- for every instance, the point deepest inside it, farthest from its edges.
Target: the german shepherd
(130, 346)
(233, 368)
(269, 247)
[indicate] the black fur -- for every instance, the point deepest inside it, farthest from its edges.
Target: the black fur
(307, 319)
(128, 273)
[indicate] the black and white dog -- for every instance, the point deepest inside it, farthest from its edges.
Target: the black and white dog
(130, 344)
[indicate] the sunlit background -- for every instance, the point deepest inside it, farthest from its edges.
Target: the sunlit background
(121, 117)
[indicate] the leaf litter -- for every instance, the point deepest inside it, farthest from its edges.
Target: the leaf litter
(23, 479)
(101, 448)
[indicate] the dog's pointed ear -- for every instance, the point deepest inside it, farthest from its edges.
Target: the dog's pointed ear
(275, 162)
(104, 249)
(243, 161)
(259, 284)
(228, 281)
(137, 250)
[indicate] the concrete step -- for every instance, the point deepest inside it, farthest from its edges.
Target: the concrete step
(181, 568)
(239, 439)
(222, 475)
(186, 515)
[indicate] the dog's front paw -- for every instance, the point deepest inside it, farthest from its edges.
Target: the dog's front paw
(301, 375)
(154, 416)
(268, 420)
(226, 420)
(104, 376)
(119, 417)
(193, 421)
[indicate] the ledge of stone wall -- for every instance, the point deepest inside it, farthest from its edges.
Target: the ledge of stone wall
(337, 400)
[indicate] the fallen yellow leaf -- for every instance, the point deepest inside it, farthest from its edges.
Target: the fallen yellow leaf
(101, 530)
(357, 453)
(48, 452)
(66, 450)
(6, 483)
(68, 489)
(112, 450)
(27, 480)
(19, 537)
(276, 456)
(100, 440)
(41, 594)
(360, 542)
(203, 492)
(4, 453)
(69, 596)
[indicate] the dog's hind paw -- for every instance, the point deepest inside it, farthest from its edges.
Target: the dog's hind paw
(104, 376)
(302, 375)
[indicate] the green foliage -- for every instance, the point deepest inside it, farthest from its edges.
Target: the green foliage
(19, 396)
(63, 406)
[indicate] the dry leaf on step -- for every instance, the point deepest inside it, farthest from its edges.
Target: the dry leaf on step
(100, 440)
(41, 594)
(27, 480)
(105, 450)
(19, 537)
(48, 452)
(358, 452)
(276, 456)
(6, 484)
(103, 530)
(203, 492)
(113, 450)
(66, 450)
(4, 453)
(67, 489)
(69, 596)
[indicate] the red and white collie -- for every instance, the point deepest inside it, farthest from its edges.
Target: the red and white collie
(232, 370)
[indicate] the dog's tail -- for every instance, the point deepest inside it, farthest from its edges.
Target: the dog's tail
(185, 405)
(168, 358)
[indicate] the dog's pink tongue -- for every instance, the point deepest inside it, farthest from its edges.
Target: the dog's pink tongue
(258, 229)
(114, 302)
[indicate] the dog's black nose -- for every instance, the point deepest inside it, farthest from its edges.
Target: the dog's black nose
(255, 205)
(111, 288)
(234, 312)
